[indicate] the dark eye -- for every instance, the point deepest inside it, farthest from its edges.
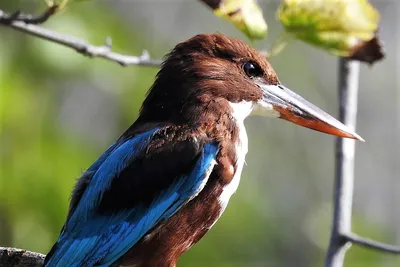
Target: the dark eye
(252, 69)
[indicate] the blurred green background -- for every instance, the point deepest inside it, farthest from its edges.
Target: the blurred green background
(59, 111)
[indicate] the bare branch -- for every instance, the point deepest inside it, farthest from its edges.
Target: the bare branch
(345, 150)
(81, 46)
(13, 257)
(341, 236)
(372, 244)
(27, 18)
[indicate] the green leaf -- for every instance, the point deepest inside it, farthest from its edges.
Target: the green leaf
(246, 15)
(342, 27)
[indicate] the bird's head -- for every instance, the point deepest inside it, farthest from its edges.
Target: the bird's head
(227, 76)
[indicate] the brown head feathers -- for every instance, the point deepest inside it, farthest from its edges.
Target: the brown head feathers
(204, 68)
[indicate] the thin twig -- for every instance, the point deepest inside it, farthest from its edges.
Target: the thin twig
(13, 257)
(372, 244)
(28, 18)
(345, 148)
(81, 46)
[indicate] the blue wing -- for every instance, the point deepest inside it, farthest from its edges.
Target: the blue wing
(99, 231)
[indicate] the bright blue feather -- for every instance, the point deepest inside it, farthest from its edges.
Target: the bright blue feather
(89, 238)
(118, 160)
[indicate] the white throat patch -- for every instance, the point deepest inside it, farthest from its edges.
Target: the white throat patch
(265, 109)
(243, 109)
(240, 111)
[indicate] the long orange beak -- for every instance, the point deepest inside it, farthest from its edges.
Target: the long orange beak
(287, 105)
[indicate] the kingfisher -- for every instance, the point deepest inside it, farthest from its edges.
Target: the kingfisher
(158, 189)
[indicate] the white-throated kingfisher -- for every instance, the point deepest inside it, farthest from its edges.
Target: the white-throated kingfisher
(164, 183)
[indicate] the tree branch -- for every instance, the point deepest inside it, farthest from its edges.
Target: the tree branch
(13, 257)
(81, 46)
(368, 243)
(345, 149)
(27, 18)
(341, 236)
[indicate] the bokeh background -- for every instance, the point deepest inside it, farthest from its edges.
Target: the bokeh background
(59, 111)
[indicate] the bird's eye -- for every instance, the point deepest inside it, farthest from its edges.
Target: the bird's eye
(252, 69)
